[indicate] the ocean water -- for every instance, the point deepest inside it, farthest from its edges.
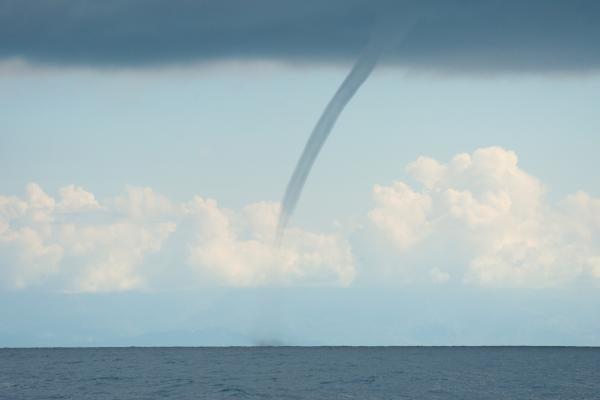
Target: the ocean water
(301, 373)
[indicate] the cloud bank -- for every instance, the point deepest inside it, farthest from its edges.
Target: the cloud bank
(76, 243)
(546, 35)
(492, 221)
(478, 220)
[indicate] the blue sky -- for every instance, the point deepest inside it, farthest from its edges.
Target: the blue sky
(456, 201)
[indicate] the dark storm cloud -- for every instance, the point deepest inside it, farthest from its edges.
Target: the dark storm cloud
(453, 34)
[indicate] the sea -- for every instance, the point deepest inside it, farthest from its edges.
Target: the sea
(301, 373)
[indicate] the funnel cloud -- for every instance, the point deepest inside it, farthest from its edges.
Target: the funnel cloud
(384, 38)
(357, 76)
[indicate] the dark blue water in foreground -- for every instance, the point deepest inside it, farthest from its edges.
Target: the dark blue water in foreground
(301, 373)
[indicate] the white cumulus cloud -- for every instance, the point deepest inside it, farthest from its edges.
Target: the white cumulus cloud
(76, 199)
(485, 203)
(479, 219)
(77, 243)
(239, 248)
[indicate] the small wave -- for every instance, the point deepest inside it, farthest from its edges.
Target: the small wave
(235, 391)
